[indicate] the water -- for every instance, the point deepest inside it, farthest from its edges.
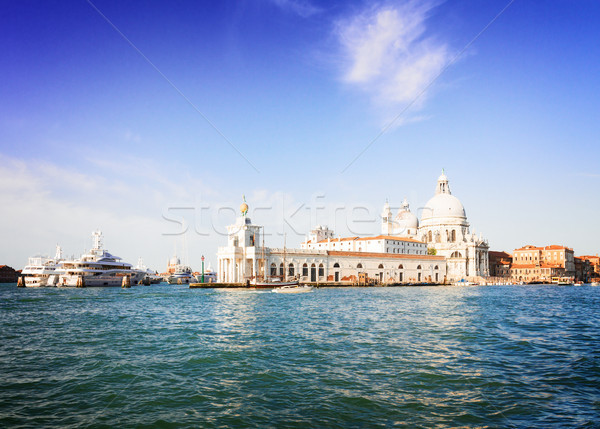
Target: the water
(168, 356)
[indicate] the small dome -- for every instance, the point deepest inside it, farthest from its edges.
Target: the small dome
(443, 205)
(405, 219)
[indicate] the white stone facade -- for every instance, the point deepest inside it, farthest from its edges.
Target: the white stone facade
(384, 259)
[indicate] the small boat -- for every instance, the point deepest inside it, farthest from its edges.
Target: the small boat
(293, 289)
(578, 283)
(273, 284)
(562, 281)
(464, 282)
(595, 284)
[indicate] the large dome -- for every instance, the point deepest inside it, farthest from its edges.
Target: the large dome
(443, 206)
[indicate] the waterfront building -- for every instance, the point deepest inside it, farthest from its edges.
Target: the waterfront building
(445, 230)
(594, 266)
(582, 269)
(500, 263)
(8, 274)
(383, 259)
(531, 263)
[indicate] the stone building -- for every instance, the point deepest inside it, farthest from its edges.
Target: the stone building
(532, 264)
(444, 227)
(384, 259)
(8, 274)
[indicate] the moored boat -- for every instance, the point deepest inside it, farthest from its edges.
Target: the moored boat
(182, 275)
(97, 268)
(42, 271)
(562, 281)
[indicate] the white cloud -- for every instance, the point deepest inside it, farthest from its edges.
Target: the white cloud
(387, 53)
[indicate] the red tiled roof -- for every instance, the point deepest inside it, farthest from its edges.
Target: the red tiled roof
(378, 237)
(384, 255)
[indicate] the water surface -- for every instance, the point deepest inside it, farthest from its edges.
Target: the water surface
(168, 356)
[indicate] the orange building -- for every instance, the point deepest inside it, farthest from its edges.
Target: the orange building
(500, 264)
(594, 271)
(540, 264)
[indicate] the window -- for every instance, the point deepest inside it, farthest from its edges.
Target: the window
(305, 270)
(359, 266)
(291, 270)
(380, 266)
(281, 269)
(400, 267)
(321, 270)
(429, 236)
(453, 236)
(273, 269)
(336, 265)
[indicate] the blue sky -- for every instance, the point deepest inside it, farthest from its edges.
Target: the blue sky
(122, 115)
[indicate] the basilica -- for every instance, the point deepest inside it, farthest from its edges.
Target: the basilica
(438, 248)
(445, 230)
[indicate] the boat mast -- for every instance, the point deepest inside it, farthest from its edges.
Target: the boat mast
(284, 265)
(263, 257)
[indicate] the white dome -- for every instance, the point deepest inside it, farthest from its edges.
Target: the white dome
(443, 206)
(405, 219)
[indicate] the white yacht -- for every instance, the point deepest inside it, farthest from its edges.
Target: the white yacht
(181, 275)
(42, 271)
(150, 277)
(97, 268)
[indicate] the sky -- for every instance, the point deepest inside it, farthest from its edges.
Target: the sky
(151, 120)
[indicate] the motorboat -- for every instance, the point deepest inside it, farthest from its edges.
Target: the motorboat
(562, 281)
(97, 268)
(272, 283)
(42, 271)
(293, 289)
(464, 282)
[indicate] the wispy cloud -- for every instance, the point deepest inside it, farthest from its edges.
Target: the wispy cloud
(302, 8)
(389, 54)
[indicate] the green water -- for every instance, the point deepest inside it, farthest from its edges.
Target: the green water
(168, 356)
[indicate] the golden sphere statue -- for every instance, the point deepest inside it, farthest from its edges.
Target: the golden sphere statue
(244, 208)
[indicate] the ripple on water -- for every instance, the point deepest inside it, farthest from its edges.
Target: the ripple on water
(164, 356)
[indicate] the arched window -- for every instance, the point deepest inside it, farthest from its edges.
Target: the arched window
(305, 270)
(359, 266)
(436, 268)
(281, 269)
(336, 265)
(418, 267)
(429, 236)
(400, 267)
(273, 269)
(453, 236)
(291, 270)
(380, 266)
(447, 235)
(321, 270)
(456, 255)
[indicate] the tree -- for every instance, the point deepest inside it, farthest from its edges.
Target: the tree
(431, 251)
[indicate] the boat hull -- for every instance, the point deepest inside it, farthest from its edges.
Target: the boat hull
(114, 280)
